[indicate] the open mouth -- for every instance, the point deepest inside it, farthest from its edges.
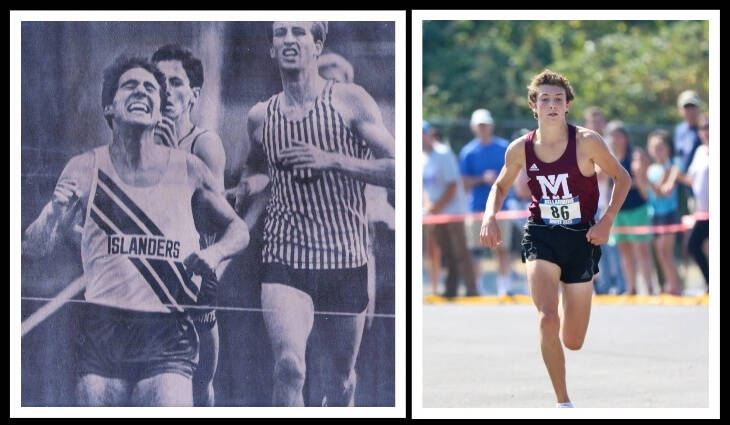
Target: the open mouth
(289, 53)
(138, 107)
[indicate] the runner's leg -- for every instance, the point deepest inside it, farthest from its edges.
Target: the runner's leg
(94, 391)
(576, 308)
(288, 316)
(543, 278)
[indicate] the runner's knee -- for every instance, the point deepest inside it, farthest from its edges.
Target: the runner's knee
(572, 343)
(549, 322)
(290, 369)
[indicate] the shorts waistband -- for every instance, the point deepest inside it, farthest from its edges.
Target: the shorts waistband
(536, 222)
(104, 311)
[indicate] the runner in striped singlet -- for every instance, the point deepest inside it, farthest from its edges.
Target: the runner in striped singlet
(139, 247)
(184, 79)
(323, 141)
(561, 245)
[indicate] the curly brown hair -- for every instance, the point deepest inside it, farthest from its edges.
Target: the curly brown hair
(550, 78)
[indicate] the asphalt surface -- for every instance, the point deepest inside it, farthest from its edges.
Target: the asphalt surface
(633, 356)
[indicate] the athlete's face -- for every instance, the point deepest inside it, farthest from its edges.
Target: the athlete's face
(293, 45)
(180, 96)
(137, 100)
(551, 103)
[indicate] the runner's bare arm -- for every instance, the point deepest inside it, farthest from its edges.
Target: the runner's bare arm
(64, 212)
(598, 152)
(365, 118)
(256, 180)
(514, 161)
(235, 236)
(522, 190)
(209, 148)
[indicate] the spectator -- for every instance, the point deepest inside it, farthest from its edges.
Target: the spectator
(686, 141)
(662, 179)
(480, 161)
(634, 248)
(611, 277)
(443, 188)
(433, 252)
(686, 136)
(698, 175)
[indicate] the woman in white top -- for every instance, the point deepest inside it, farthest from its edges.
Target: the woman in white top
(698, 176)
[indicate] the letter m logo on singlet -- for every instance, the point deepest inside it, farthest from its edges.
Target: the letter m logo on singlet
(553, 183)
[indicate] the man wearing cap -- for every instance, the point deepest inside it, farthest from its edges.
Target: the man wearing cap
(480, 162)
(686, 135)
(445, 194)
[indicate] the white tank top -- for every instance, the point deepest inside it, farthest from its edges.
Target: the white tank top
(136, 238)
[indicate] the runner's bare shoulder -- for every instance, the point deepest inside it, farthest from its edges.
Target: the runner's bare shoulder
(80, 168)
(515, 154)
(587, 136)
(355, 103)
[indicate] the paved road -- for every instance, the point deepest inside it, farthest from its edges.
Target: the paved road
(634, 356)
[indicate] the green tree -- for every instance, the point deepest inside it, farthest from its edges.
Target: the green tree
(633, 70)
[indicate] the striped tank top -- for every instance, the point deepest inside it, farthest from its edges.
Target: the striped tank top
(135, 239)
(315, 220)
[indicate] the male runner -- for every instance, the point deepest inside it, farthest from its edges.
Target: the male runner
(184, 79)
(319, 138)
(139, 246)
(561, 246)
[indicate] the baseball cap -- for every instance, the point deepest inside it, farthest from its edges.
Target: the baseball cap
(426, 126)
(481, 116)
(688, 97)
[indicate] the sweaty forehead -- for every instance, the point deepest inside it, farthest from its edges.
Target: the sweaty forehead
(139, 74)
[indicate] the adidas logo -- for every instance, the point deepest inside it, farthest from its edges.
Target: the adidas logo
(534, 168)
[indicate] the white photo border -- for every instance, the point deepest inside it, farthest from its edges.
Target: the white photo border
(399, 18)
(421, 412)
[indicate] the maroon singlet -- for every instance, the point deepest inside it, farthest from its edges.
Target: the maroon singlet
(560, 193)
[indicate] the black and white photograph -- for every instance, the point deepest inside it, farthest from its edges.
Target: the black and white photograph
(207, 212)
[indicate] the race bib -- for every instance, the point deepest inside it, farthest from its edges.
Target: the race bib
(560, 211)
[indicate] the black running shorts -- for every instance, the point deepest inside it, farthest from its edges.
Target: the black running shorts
(340, 290)
(564, 245)
(134, 345)
(204, 314)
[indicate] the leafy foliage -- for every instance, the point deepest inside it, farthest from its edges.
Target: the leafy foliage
(633, 70)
